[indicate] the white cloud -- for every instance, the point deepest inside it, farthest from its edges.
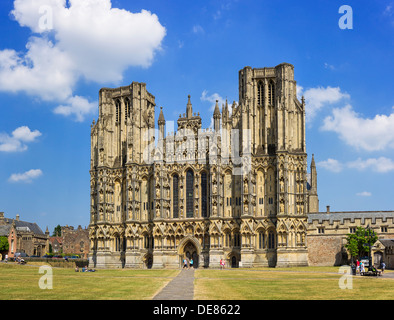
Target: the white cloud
(364, 194)
(212, 99)
(317, 98)
(329, 66)
(77, 106)
(362, 133)
(44, 71)
(331, 165)
(380, 165)
(15, 141)
(86, 39)
(388, 11)
(27, 176)
(197, 29)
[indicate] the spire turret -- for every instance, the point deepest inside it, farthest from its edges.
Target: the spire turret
(216, 117)
(189, 108)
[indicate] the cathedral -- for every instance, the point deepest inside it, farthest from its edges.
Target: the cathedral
(239, 191)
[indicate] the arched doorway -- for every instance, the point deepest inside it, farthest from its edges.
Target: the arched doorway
(189, 248)
(233, 262)
(190, 252)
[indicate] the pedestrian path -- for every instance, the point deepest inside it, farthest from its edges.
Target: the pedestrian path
(180, 288)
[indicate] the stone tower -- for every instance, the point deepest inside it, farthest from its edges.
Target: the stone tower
(276, 119)
(120, 142)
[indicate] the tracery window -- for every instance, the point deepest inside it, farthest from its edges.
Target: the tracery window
(204, 194)
(261, 240)
(260, 93)
(117, 110)
(127, 107)
(189, 193)
(237, 239)
(175, 200)
(271, 93)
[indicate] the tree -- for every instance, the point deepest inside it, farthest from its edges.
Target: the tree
(358, 243)
(4, 245)
(57, 232)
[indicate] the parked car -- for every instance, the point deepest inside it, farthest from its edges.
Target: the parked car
(47, 256)
(57, 257)
(20, 254)
(365, 260)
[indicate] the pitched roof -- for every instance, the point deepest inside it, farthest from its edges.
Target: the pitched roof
(5, 230)
(33, 227)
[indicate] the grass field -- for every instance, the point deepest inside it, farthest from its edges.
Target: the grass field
(22, 282)
(309, 283)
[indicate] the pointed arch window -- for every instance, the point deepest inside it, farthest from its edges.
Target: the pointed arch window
(117, 111)
(204, 195)
(271, 93)
(175, 199)
(261, 240)
(189, 193)
(271, 240)
(127, 107)
(260, 93)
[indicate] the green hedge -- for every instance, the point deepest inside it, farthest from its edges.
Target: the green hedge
(59, 262)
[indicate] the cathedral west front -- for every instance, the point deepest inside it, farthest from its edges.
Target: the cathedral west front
(238, 191)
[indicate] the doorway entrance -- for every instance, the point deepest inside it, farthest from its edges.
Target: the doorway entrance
(378, 257)
(190, 252)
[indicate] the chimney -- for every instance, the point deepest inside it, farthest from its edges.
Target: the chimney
(328, 209)
(17, 217)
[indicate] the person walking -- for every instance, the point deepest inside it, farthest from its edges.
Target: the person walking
(191, 263)
(383, 266)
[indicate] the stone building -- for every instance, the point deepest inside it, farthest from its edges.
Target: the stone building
(56, 244)
(23, 236)
(75, 241)
(327, 233)
(237, 192)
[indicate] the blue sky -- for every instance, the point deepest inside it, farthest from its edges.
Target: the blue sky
(55, 55)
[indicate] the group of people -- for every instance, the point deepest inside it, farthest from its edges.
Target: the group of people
(17, 259)
(84, 269)
(361, 267)
(187, 264)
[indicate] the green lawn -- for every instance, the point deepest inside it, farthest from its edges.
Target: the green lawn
(22, 282)
(309, 283)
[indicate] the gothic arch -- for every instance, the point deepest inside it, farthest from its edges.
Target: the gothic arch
(185, 241)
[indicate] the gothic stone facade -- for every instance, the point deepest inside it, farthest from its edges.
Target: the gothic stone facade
(237, 192)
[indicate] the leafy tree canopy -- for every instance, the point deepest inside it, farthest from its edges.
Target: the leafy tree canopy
(358, 243)
(4, 244)
(57, 232)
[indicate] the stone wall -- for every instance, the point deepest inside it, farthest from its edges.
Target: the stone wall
(326, 250)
